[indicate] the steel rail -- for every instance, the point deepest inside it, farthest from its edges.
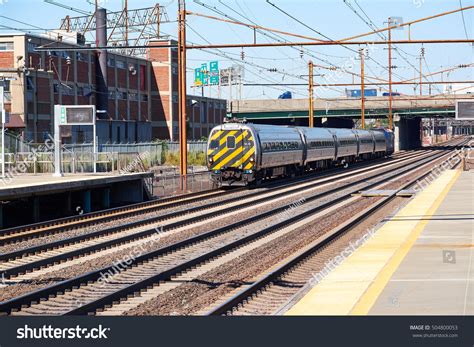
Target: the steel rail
(35, 250)
(247, 293)
(26, 299)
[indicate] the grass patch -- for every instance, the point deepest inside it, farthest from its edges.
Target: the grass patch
(194, 158)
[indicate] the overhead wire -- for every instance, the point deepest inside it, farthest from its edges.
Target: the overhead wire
(370, 23)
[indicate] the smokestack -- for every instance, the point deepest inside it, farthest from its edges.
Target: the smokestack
(102, 95)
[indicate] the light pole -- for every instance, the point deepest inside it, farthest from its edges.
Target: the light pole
(182, 92)
(3, 128)
(311, 96)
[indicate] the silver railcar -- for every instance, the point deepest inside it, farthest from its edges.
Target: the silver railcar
(244, 153)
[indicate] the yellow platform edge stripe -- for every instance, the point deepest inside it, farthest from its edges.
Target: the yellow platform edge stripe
(367, 301)
(341, 294)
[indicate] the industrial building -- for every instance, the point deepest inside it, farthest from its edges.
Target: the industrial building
(136, 97)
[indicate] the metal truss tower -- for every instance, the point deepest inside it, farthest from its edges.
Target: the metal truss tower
(125, 28)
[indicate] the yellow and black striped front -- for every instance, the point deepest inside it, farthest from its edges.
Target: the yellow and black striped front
(231, 149)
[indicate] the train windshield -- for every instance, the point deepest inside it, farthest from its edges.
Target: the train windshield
(214, 144)
(231, 142)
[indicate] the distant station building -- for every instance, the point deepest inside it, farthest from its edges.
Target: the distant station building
(141, 94)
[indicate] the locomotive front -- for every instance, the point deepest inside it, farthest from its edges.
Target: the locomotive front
(231, 154)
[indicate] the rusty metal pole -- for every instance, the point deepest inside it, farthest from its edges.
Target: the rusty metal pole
(158, 21)
(390, 113)
(362, 86)
(311, 97)
(125, 12)
(421, 78)
(422, 53)
(183, 153)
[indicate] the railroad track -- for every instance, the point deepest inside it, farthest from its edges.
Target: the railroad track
(273, 292)
(26, 232)
(85, 293)
(23, 233)
(26, 260)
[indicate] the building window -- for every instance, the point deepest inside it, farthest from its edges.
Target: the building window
(81, 56)
(133, 96)
(120, 64)
(6, 46)
(203, 109)
(111, 62)
(29, 84)
(6, 86)
(55, 88)
(68, 90)
(31, 47)
(144, 97)
(112, 95)
(123, 95)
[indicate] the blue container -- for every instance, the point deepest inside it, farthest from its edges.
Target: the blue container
(286, 95)
(357, 93)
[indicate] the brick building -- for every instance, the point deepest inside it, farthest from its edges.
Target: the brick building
(203, 113)
(142, 92)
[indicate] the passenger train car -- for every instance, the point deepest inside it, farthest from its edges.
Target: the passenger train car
(240, 153)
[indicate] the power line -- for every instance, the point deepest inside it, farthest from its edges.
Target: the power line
(463, 21)
(275, 37)
(376, 29)
(224, 54)
(342, 45)
(18, 21)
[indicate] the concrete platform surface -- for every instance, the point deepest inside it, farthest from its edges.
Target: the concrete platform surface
(417, 263)
(437, 275)
(28, 185)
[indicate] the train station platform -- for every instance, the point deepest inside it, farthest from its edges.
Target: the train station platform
(32, 198)
(419, 262)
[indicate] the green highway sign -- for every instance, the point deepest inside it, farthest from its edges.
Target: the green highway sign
(197, 77)
(204, 76)
(214, 72)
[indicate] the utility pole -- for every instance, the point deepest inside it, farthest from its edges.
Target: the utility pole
(390, 111)
(125, 11)
(2, 110)
(422, 54)
(230, 85)
(362, 86)
(183, 153)
(311, 98)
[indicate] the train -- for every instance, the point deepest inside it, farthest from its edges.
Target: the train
(240, 153)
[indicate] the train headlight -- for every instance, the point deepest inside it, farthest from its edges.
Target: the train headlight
(252, 159)
(211, 160)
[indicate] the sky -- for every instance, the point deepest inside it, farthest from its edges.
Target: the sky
(334, 19)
